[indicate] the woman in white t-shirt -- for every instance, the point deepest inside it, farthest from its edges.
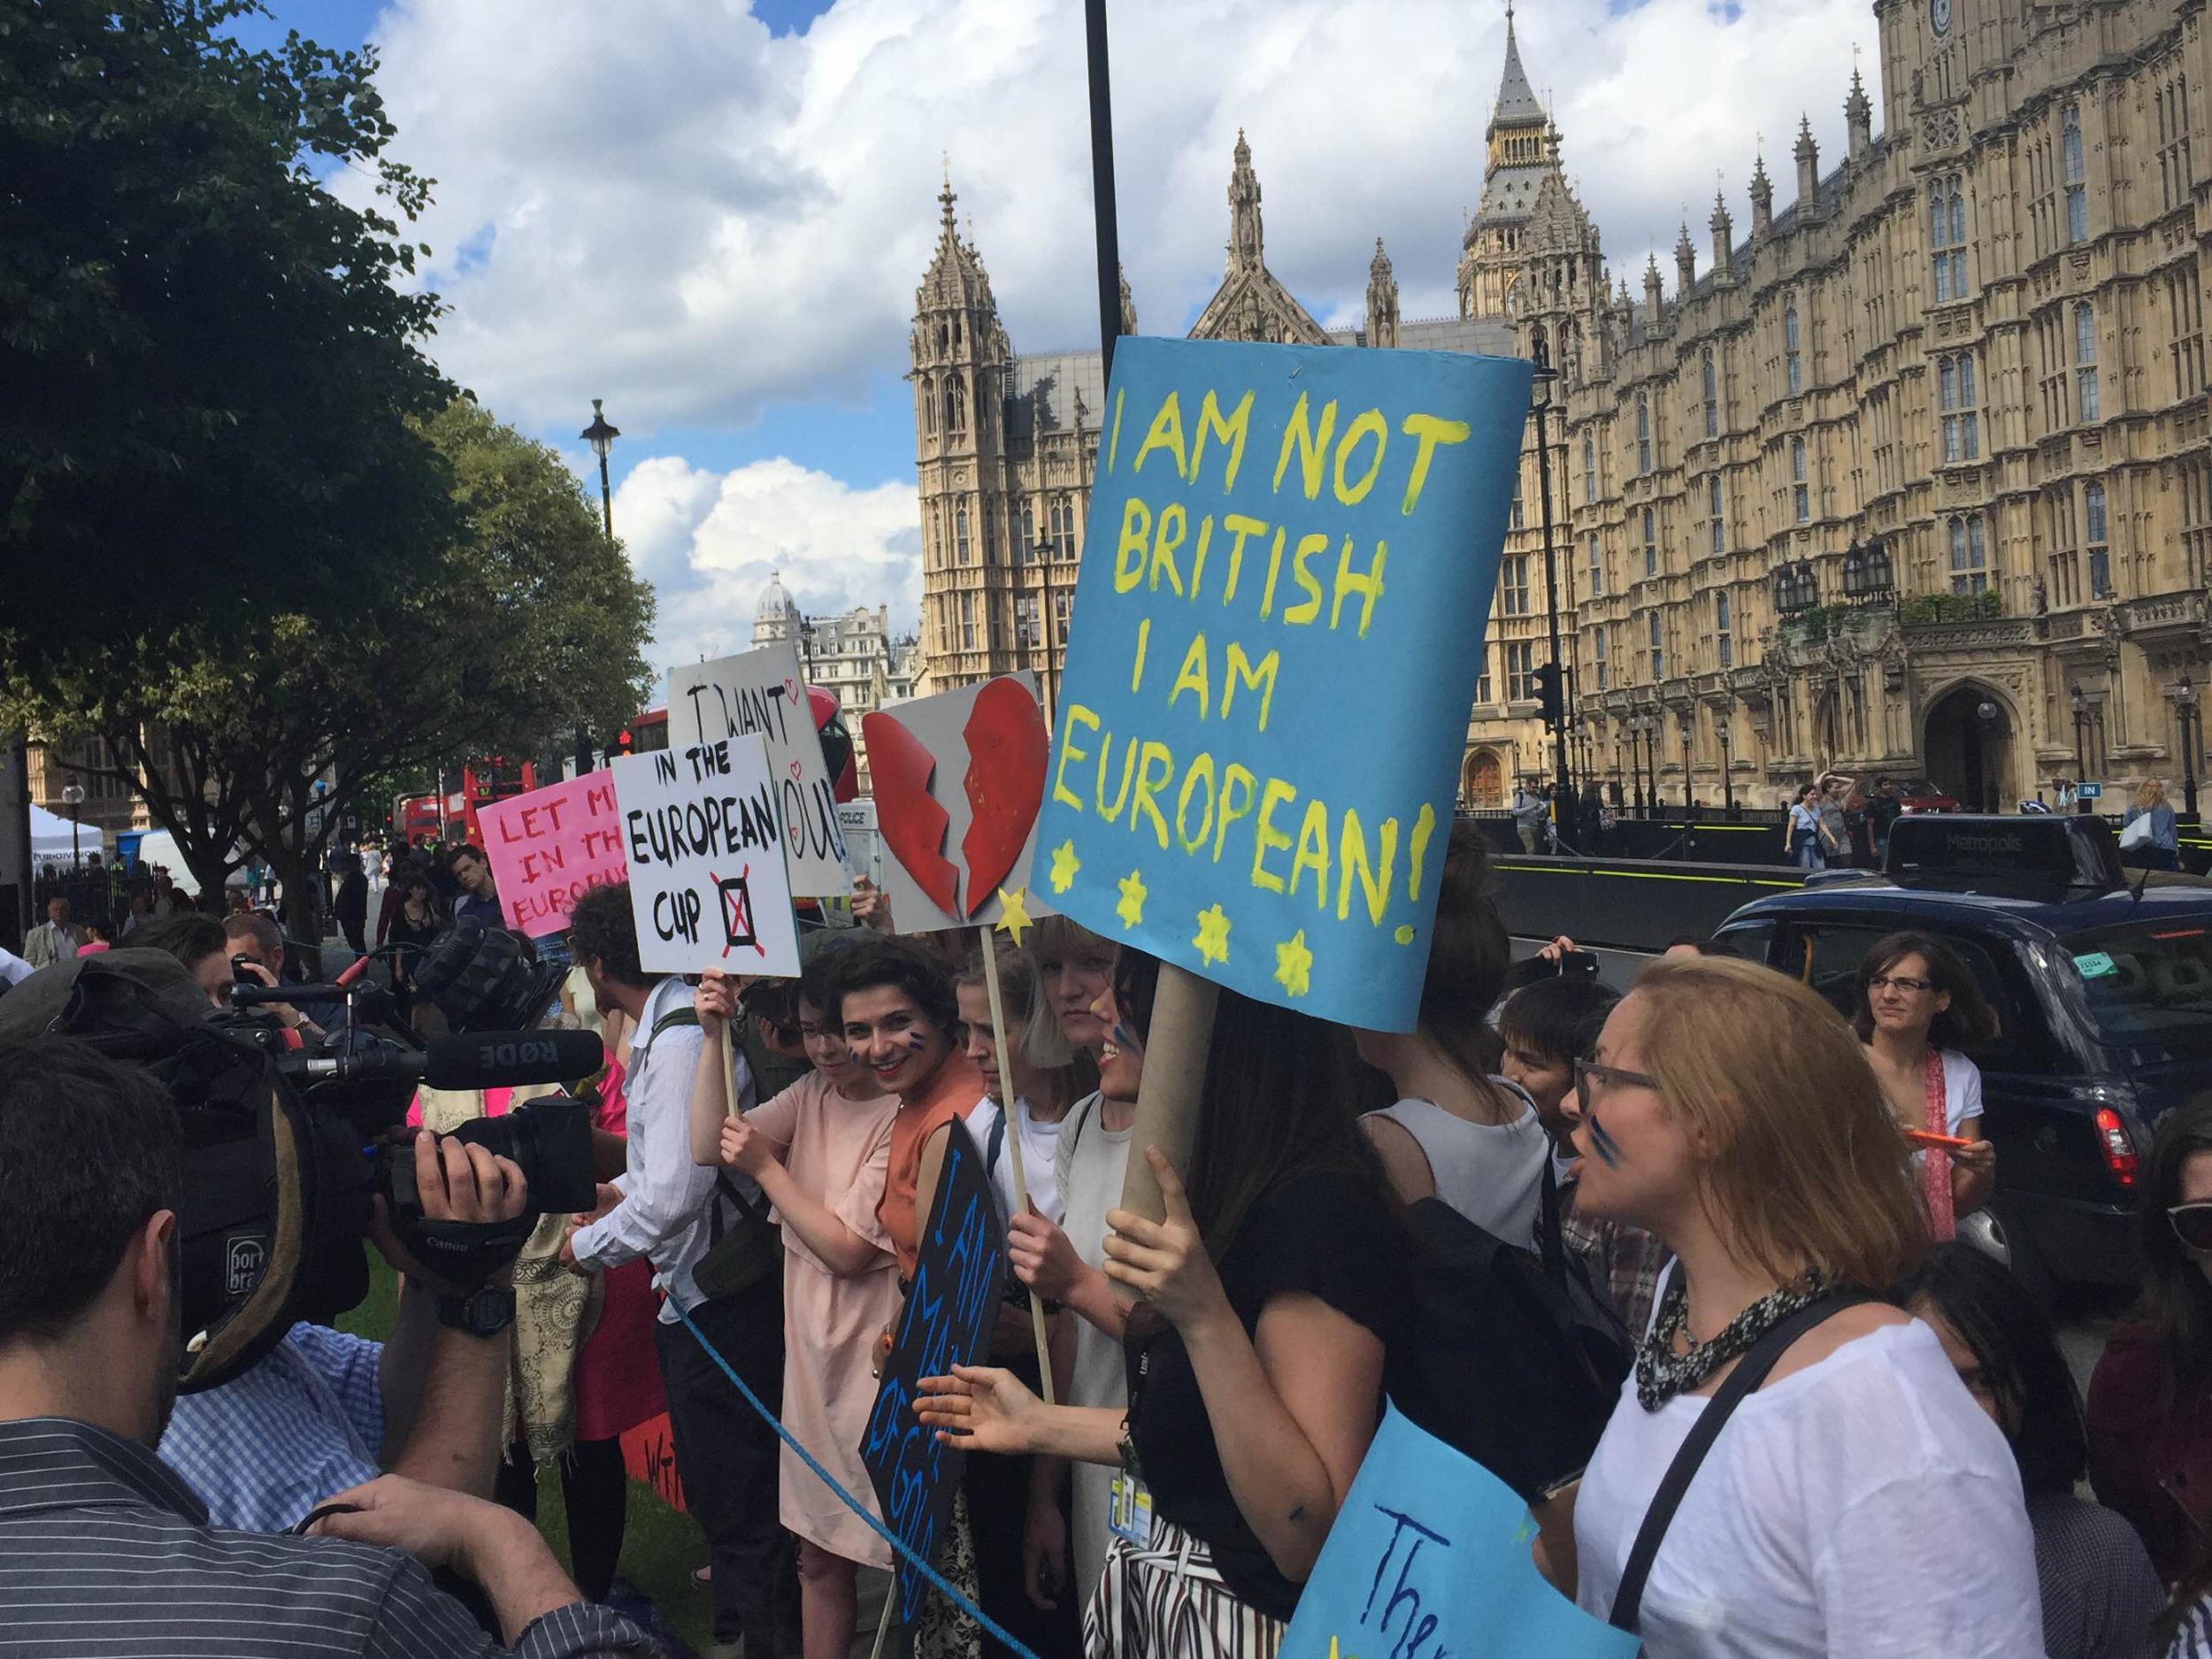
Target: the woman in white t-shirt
(1456, 1133)
(1918, 1006)
(1859, 1502)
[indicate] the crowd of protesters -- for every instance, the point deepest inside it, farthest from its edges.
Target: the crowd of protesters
(1914, 1472)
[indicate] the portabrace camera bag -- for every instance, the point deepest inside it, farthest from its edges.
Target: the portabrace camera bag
(275, 1199)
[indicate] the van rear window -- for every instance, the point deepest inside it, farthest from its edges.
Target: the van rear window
(2147, 980)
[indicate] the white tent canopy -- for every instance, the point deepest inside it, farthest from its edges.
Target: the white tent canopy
(52, 840)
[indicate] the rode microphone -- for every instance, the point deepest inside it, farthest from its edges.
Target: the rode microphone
(488, 1059)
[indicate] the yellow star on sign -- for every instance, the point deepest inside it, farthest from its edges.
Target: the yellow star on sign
(1212, 938)
(1065, 865)
(1293, 964)
(1333, 1653)
(1013, 918)
(1130, 909)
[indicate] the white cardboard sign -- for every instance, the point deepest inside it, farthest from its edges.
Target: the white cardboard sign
(707, 883)
(762, 692)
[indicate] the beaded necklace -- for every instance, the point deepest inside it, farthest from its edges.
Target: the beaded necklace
(1662, 1373)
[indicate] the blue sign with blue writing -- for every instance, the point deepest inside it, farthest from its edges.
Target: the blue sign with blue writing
(950, 1309)
(1277, 633)
(1429, 1557)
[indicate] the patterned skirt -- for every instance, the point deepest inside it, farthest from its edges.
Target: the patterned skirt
(1164, 1601)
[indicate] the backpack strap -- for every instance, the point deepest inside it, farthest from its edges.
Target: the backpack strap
(1751, 1370)
(674, 1016)
(998, 1142)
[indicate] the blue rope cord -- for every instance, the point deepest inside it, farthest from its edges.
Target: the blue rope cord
(847, 1498)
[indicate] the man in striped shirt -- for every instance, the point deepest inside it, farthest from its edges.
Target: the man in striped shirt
(103, 1548)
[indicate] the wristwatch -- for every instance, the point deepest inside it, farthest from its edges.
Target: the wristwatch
(487, 1313)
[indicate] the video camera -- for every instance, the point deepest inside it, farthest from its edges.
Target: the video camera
(285, 1147)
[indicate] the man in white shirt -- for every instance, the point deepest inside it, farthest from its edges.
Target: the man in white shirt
(670, 1209)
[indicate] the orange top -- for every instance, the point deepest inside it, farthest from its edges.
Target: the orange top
(953, 1093)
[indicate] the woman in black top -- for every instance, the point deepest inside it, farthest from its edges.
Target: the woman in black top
(1256, 1367)
(412, 916)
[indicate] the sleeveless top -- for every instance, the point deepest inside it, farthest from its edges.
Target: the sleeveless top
(1491, 1173)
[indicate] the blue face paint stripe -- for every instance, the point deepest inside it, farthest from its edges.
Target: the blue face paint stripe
(1603, 1144)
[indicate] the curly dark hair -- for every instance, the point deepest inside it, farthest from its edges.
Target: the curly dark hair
(601, 930)
(898, 963)
(1969, 1022)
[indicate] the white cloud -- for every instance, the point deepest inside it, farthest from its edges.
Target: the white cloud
(657, 203)
(711, 541)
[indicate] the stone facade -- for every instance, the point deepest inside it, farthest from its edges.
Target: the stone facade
(855, 656)
(1880, 488)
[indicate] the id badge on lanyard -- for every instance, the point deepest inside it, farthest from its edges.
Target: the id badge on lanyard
(1129, 1508)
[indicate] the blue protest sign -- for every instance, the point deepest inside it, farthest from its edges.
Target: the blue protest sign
(1430, 1556)
(1277, 633)
(949, 1311)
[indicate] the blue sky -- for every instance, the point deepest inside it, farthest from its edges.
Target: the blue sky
(714, 213)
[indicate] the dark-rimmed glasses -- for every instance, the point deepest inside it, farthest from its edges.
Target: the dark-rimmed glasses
(2193, 1226)
(1900, 981)
(1609, 1077)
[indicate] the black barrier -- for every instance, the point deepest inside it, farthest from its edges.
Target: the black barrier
(1626, 904)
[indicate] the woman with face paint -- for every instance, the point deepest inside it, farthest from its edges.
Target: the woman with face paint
(1827, 1516)
(819, 1151)
(895, 1006)
(1255, 1369)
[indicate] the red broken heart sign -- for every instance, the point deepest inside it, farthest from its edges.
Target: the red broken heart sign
(1007, 752)
(911, 822)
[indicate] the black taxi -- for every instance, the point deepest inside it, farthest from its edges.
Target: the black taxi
(2102, 979)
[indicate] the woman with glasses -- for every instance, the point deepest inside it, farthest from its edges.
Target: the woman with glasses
(1918, 1005)
(2101, 1595)
(1829, 1514)
(2150, 1398)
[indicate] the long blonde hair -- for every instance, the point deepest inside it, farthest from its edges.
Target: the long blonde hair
(2151, 794)
(1803, 1163)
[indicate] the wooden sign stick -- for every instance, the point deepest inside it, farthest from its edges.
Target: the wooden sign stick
(890, 1601)
(1014, 1141)
(1174, 1076)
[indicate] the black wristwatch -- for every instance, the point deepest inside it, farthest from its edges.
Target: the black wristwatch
(487, 1313)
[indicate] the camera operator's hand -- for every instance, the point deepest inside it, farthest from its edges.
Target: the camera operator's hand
(284, 1013)
(607, 1197)
(457, 1182)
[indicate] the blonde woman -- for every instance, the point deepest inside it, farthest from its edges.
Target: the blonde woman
(2161, 847)
(1858, 1502)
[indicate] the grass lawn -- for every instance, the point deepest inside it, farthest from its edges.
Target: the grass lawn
(659, 1546)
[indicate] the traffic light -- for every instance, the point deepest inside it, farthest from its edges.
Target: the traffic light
(1549, 694)
(622, 742)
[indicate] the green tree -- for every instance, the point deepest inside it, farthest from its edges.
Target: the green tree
(208, 360)
(527, 624)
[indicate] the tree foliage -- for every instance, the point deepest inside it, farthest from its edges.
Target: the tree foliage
(525, 626)
(208, 360)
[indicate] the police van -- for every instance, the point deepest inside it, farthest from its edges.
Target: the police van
(2101, 980)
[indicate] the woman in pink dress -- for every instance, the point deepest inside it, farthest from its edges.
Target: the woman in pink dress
(820, 1150)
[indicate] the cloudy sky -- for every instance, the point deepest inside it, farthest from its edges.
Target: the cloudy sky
(714, 213)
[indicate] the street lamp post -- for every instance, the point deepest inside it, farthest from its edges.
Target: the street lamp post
(600, 436)
(1540, 403)
(1721, 719)
(1685, 719)
(72, 797)
(2191, 719)
(2081, 752)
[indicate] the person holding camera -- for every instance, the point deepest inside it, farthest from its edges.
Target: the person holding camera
(91, 1174)
(667, 1207)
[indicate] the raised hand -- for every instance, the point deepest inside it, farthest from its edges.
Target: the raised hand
(987, 1409)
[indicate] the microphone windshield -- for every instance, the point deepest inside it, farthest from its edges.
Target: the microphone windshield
(500, 1059)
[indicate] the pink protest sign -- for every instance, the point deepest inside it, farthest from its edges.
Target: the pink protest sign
(549, 846)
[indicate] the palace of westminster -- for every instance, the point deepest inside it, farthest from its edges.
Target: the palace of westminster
(1913, 477)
